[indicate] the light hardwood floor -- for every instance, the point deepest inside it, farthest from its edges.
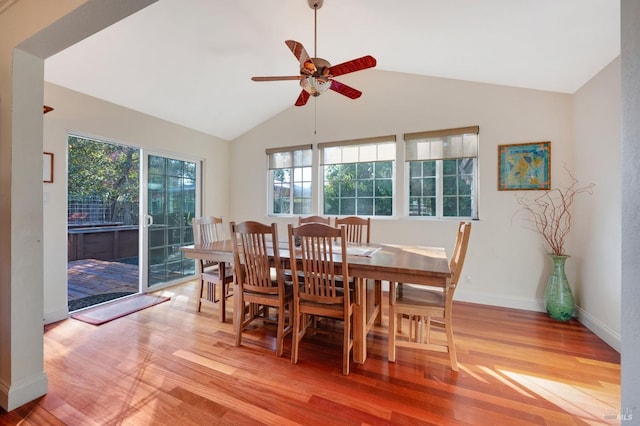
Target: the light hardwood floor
(169, 365)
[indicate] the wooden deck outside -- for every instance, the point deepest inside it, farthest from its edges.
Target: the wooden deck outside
(90, 277)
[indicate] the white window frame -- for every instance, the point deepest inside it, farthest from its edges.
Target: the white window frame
(284, 158)
(440, 145)
(367, 150)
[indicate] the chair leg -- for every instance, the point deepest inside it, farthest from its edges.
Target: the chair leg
(201, 294)
(398, 287)
(214, 292)
(346, 345)
(223, 301)
(450, 343)
(280, 332)
(238, 319)
(392, 333)
(393, 287)
(427, 326)
(295, 335)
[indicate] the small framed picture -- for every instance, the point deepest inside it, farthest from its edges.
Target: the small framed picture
(47, 167)
(524, 166)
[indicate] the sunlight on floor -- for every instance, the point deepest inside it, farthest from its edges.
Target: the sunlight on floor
(586, 403)
(506, 382)
(471, 373)
(174, 296)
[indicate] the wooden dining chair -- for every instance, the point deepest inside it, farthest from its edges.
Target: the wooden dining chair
(314, 219)
(260, 284)
(209, 229)
(318, 273)
(359, 231)
(428, 307)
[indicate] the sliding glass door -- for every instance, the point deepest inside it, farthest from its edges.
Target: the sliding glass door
(172, 188)
(103, 226)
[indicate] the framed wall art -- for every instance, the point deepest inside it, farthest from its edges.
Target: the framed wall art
(47, 167)
(524, 166)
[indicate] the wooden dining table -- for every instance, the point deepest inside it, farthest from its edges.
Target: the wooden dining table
(395, 263)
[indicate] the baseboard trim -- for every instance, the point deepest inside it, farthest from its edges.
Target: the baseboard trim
(18, 394)
(609, 336)
(55, 316)
(612, 338)
(536, 305)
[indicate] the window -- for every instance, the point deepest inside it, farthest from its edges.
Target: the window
(290, 180)
(443, 172)
(358, 176)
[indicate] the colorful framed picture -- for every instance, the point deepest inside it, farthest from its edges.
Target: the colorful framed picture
(524, 166)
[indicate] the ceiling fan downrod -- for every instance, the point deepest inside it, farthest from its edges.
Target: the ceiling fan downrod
(315, 5)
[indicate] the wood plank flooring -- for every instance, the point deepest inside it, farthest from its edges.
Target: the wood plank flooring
(170, 365)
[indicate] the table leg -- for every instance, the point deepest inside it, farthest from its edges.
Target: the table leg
(360, 324)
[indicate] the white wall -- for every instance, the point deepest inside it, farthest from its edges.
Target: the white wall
(596, 231)
(85, 115)
(630, 154)
(21, 363)
(23, 48)
(506, 263)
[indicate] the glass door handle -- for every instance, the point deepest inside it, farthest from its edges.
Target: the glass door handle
(148, 220)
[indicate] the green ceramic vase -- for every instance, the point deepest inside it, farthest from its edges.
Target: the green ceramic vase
(558, 298)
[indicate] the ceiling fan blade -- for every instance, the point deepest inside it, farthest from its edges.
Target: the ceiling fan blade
(277, 78)
(302, 99)
(353, 65)
(345, 90)
(306, 64)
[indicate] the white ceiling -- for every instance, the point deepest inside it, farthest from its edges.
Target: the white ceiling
(190, 62)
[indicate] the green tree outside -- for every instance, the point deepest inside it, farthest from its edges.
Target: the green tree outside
(108, 172)
(364, 189)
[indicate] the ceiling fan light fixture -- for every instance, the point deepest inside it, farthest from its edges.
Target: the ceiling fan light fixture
(315, 86)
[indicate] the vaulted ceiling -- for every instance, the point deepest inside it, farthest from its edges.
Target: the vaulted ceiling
(190, 62)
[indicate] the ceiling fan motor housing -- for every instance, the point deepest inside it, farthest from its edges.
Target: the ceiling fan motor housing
(317, 67)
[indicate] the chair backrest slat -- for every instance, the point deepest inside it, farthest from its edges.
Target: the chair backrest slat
(358, 229)
(207, 229)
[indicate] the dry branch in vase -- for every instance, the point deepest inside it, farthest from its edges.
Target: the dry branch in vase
(550, 212)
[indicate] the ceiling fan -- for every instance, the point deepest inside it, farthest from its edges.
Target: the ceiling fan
(316, 74)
